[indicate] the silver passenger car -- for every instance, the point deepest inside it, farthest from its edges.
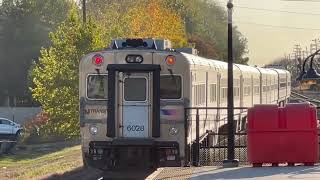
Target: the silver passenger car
(133, 96)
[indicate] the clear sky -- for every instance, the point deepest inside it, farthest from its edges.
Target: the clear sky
(271, 32)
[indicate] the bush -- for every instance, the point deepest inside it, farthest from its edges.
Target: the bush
(55, 76)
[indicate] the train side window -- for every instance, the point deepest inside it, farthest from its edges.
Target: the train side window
(203, 93)
(224, 93)
(236, 91)
(246, 91)
(170, 87)
(196, 94)
(213, 92)
(97, 87)
(256, 90)
(283, 85)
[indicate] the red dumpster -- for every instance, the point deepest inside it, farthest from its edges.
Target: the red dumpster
(282, 135)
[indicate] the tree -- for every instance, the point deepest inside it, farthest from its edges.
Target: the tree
(208, 21)
(205, 49)
(24, 28)
(55, 76)
(142, 18)
(200, 21)
(153, 20)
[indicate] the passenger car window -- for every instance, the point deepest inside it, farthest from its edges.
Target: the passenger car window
(97, 87)
(170, 87)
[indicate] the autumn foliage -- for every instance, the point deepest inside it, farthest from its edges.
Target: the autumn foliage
(153, 20)
(139, 19)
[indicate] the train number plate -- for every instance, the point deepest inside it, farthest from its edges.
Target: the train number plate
(135, 128)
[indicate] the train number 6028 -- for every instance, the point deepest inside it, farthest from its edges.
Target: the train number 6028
(135, 128)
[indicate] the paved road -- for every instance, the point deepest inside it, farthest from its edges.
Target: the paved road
(243, 173)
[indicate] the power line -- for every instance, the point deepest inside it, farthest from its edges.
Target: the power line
(280, 11)
(302, 0)
(274, 10)
(276, 26)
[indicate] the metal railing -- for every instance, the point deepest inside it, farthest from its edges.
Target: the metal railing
(206, 144)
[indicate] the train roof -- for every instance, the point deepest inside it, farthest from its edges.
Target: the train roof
(201, 61)
(281, 71)
(245, 68)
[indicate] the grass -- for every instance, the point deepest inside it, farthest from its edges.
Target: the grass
(39, 161)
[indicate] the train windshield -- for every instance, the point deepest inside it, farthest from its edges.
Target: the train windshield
(97, 87)
(170, 87)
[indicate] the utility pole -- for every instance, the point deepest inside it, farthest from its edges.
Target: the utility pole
(84, 11)
(231, 161)
(298, 53)
(314, 46)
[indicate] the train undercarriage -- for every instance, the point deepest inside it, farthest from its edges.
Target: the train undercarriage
(137, 153)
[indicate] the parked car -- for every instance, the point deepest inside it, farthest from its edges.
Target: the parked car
(10, 129)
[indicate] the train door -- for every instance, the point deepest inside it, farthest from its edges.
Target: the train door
(135, 104)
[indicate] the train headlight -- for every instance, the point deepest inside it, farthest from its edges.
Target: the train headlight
(93, 130)
(134, 59)
(173, 131)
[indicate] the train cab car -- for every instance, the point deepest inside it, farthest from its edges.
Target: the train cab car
(133, 98)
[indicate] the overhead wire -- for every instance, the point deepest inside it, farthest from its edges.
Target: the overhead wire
(270, 10)
(277, 26)
(277, 10)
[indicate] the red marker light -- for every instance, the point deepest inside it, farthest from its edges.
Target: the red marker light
(170, 60)
(97, 60)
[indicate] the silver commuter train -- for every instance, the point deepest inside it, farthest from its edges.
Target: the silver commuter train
(133, 95)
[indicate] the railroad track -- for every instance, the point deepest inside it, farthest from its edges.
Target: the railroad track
(296, 97)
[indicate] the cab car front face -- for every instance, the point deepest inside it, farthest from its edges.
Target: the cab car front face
(134, 93)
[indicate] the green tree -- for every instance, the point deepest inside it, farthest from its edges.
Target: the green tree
(55, 76)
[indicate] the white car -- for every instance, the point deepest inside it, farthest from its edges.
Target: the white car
(10, 129)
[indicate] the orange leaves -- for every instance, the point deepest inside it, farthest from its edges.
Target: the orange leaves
(154, 20)
(139, 19)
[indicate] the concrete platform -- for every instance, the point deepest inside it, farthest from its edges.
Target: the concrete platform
(249, 173)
